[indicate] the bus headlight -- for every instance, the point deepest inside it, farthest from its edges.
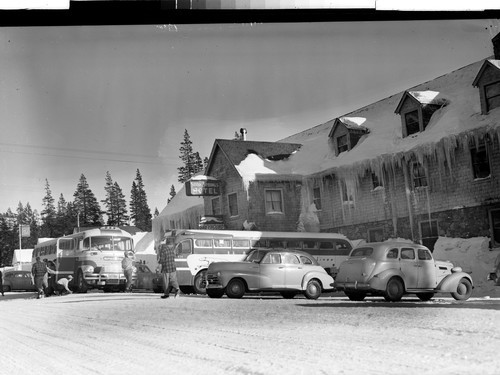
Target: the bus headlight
(87, 269)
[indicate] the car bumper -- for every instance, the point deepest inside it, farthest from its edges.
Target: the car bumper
(215, 286)
(352, 285)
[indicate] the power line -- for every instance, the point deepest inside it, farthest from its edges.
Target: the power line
(92, 155)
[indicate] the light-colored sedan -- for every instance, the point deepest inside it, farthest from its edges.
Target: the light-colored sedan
(288, 272)
(392, 269)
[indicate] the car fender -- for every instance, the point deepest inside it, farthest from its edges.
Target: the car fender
(379, 281)
(450, 282)
(323, 277)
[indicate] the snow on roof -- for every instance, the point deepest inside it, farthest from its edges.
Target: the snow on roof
(353, 122)
(450, 126)
(424, 97)
(181, 202)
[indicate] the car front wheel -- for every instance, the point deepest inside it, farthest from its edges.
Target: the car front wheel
(394, 290)
(235, 288)
(464, 290)
(313, 289)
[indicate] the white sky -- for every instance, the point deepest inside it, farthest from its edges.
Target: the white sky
(88, 100)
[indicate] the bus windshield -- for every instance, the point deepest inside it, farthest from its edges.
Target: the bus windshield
(106, 243)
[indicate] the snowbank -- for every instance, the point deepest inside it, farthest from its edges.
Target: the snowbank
(475, 258)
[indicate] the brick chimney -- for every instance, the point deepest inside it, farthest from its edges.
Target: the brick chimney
(496, 46)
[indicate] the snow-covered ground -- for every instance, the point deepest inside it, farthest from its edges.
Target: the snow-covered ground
(139, 333)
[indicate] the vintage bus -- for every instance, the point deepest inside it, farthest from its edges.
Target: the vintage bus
(93, 257)
(196, 249)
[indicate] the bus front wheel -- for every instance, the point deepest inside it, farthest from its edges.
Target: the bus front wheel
(80, 283)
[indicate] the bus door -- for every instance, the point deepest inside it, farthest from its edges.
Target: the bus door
(183, 250)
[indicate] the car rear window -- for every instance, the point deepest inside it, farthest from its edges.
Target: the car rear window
(362, 252)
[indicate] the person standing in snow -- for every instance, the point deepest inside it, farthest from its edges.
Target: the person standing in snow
(128, 270)
(166, 258)
(39, 270)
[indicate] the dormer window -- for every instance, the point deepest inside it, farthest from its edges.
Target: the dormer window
(488, 83)
(412, 122)
(342, 144)
(346, 133)
(416, 109)
(492, 95)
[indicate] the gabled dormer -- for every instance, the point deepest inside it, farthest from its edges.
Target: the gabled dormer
(346, 132)
(488, 80)
(488, 83)
(416, 109)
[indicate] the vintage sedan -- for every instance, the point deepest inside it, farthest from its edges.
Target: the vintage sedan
(288, 272)
(18, 280)
(392, 269)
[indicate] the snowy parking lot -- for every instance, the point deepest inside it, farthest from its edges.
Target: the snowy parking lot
(119, 333)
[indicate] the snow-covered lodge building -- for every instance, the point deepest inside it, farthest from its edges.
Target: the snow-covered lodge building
(419, 164)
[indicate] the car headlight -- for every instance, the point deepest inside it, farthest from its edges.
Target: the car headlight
(87, 269)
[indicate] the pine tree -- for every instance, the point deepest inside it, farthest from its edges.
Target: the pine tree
(66, 219)
(109, 201)
(86, 204)
(157, 213)
(139, 209)
(48, 213)
(188, 169)
(205, 163)
(172, 193)
(198, 163)
(7, 240)
(121, 217)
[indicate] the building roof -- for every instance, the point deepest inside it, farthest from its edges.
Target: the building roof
(384, 146)
(237, 151)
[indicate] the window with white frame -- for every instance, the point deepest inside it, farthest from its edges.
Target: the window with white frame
(317, 197)
(232, 200)
(274, 201)
(216, 206)
(419, 177)
(480, 161)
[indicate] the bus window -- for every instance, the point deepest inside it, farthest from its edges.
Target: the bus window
(183, 249)
(203, 243)
(222, 243)
(86, 244)
(259, 243)
(241, 243)
(309, 245)
(293, 244)
(326, 245)
(342, 247)
(276, 244)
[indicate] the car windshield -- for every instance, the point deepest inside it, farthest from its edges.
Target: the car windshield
(255, 256)
(361, 252)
